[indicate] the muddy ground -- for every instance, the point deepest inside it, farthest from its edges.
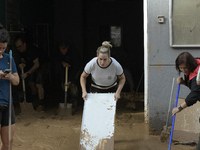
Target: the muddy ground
(49, 130)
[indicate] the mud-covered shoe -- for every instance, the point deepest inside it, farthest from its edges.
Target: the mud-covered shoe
(40, 108)
(74, 106)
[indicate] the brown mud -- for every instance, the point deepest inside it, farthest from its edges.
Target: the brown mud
(50, 131)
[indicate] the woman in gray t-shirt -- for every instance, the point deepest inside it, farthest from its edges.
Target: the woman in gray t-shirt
(104, 71)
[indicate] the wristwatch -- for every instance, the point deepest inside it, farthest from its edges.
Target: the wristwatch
(180, 108)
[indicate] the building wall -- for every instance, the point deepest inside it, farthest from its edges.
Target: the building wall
(161, 65)
(3, 12)
(12, 15)
(9, 14)
(36, 12)
(68, 22)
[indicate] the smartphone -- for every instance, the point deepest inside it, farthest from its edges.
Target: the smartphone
(7, 71)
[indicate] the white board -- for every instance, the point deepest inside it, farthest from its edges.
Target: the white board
(97, 130)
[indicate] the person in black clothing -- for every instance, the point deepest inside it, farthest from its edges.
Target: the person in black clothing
(36, 67)
(187, 64)
(69, 57)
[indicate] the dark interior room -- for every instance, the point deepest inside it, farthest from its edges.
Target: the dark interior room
(85, 24)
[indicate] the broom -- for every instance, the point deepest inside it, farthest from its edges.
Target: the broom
(165, 133)
(10, 101)
(170, 141)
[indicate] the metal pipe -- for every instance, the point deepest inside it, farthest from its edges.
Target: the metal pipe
(170, 101)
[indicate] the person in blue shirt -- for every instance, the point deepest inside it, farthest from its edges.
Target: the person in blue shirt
(5, 80)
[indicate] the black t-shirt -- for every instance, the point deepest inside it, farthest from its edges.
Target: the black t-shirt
(73, 59)
(32, 52)
(194, 95)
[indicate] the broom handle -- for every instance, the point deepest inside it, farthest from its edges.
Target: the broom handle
(171, 135)
(139, 82)
(10, 101)
(170, 101)
(23, 84)
(66, 81)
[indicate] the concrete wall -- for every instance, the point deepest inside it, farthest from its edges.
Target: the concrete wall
(186, 126)
(161, 58)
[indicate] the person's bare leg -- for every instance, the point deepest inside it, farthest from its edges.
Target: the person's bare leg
(41, 97)
(40, 91)
(5, 136)
(33, 88)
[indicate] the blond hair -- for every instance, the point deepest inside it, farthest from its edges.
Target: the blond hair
(105, 48)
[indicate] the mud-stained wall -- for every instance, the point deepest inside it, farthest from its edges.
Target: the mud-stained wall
(187, 126)
(161, 66)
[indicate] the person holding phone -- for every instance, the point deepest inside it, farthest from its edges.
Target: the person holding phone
(7, 71)
(5, 78)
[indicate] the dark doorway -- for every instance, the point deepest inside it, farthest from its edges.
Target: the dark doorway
(98, 18)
